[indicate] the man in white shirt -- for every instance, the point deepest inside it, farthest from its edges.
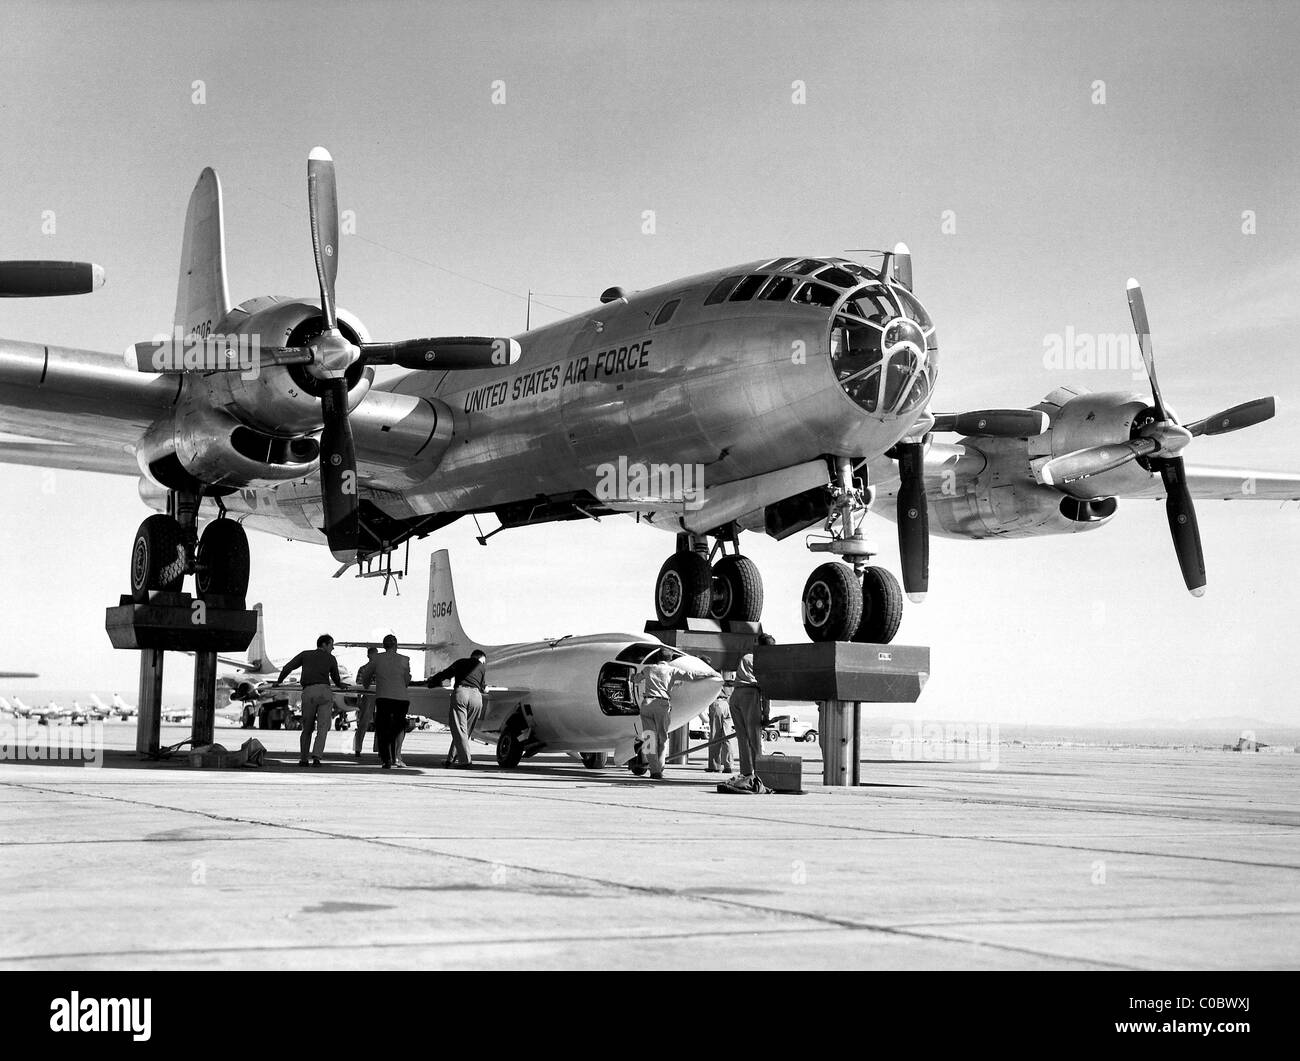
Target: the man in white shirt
(662, 671)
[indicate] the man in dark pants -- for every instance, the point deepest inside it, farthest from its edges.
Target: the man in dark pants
(470, 676)
(747, 718)
(391, 672)
(319, 668)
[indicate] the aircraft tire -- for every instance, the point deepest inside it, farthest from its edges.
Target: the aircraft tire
(882, 607)
(736, 590)
(593, 760)
(683, 589)
(157, 557)
(637, 768)
(832, 603)
(509, 750)
(223, 561)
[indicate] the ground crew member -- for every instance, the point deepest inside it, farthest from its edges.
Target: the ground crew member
(470, 676)
(747, 718)
(719, 738)
(657, 678)
(391, 673)
(365, 702)
(319, 668)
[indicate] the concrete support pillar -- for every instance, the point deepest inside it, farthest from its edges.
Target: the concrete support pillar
(148, 719)
(205, 699)
(838, 722)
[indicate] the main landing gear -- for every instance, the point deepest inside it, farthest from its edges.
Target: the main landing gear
(169, 547)
(847, 599)
(696, 583)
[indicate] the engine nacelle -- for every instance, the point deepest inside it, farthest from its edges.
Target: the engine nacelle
(1081, 419)
(993, 490)
(279, 400)
(1004, 506)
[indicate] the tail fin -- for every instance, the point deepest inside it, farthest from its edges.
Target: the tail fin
(202, 299)
(445, 637)
(257, 661)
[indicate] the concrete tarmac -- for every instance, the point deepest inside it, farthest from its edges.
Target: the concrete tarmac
(1059, 859)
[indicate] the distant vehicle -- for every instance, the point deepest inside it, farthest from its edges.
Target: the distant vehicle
(791, 726)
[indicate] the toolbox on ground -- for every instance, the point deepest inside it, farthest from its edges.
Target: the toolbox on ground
(780, 773)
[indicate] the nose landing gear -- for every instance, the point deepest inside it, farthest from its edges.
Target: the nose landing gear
(853, 600)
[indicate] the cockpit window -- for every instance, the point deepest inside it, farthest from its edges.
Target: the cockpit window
(859, 270)
(913, 308)
(722, 290)
(780, 263)
(872, 304)
(637, 653)
(895, 383)
(747, 288)
(665, 314)
(836, 276)
(779, 289)
(814, 294)
(808, 265)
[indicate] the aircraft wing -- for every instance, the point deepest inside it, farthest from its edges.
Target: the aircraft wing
(84, 411)
(942, 463)
(1233, 484)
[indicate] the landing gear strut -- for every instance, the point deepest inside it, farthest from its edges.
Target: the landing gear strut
(853, 600)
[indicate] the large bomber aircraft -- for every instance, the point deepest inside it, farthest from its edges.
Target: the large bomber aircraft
(770, 397)
(571, 694)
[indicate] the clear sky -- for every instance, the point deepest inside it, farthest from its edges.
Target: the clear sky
(912, 110)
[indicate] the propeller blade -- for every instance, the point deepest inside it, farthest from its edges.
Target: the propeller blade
(1247, 414)
(468, 351)
(913, 521)
(1182, 524)
(994, 423)
(1137, 309)
(173, 358)
(1095, 460)
(902, 262)
(338, 473)
(323, 203)
(44, 279)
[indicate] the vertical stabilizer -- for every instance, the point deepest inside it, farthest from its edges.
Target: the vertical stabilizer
(257, 659)
(443, 633)
(202, 298)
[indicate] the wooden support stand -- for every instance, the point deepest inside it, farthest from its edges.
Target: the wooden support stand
(842, 676)
(175, 622)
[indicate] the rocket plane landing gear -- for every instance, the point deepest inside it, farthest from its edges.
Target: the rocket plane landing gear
(168, 547)
(853, 600)
(696, 583)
